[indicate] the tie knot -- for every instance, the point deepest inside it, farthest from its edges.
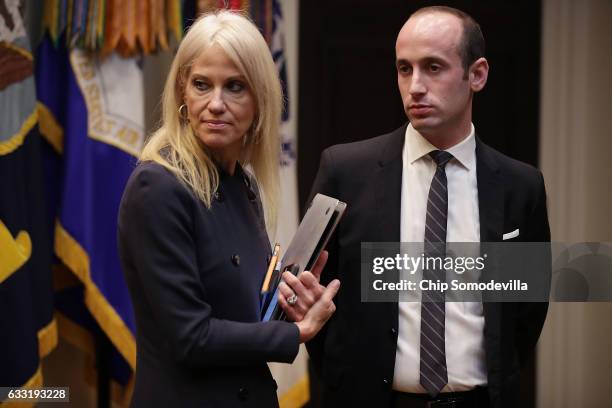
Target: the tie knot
(440, 157)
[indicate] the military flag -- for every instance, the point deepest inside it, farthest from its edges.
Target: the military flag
(28, 330)
(96, 106)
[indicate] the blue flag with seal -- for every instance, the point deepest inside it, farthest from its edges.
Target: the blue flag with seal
(94, 123)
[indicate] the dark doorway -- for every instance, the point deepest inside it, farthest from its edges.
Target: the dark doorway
(348, 89)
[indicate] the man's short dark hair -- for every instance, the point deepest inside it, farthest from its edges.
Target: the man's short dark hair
(472, 45)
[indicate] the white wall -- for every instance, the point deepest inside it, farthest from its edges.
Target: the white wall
(575, 357)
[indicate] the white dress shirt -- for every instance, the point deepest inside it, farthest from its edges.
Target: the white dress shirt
(464, 338)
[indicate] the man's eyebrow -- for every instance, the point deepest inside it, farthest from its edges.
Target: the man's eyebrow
(434, 58)
(426, 60)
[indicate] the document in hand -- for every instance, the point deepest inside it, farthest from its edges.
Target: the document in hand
(310, 239)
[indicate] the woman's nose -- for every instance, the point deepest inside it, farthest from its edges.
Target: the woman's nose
(216, 103)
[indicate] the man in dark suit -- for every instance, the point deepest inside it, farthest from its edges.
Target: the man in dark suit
(430, 180)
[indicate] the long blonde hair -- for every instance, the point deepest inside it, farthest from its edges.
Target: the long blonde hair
(184, 154)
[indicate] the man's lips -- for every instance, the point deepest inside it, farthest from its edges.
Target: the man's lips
(419, 109)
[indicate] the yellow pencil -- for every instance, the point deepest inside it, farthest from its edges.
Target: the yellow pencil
(275, 256)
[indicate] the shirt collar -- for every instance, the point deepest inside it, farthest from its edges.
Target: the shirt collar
(416, 146)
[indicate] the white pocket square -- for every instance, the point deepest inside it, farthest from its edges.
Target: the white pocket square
(511, 235)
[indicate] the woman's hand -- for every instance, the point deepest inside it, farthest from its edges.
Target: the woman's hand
(319, 313)
(306, 289)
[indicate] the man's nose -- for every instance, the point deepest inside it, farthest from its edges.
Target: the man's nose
(216, 104)
(417, 87)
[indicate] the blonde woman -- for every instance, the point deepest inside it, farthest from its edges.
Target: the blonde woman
(192, 235)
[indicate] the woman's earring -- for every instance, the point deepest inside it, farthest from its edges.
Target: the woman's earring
(182, 111)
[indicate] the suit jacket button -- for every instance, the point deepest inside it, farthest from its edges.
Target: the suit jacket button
(243, 393)
(386, 381)
(236, 259)
(218, 196)
(393, 331)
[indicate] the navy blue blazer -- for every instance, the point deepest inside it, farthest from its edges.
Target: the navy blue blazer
(194, 276)
(355, 352)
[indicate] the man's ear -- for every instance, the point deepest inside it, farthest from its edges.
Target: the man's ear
(479, 72)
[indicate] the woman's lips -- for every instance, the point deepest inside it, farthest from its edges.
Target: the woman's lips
(216, 124)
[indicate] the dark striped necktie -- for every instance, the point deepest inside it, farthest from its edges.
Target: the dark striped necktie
(433, 374)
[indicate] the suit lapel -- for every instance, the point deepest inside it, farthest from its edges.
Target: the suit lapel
(389, 188)
(387, 206)
(490, 194)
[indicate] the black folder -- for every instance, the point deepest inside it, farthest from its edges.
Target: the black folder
(310, 239)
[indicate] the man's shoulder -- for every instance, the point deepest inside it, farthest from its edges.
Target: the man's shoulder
(373, 149)
(510, 167)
